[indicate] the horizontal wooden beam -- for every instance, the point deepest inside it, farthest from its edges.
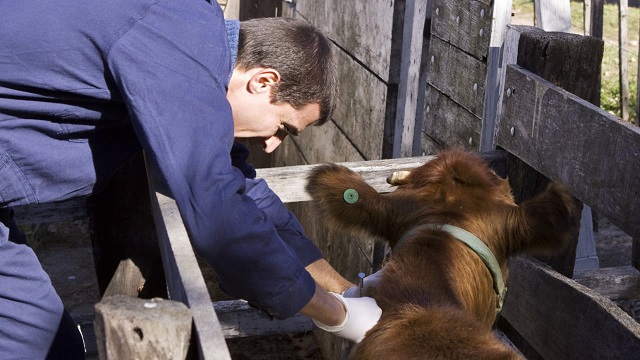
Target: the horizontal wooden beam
(572, 141)
(616, 283)
(238, 319)
(560, 318)
(289, 182)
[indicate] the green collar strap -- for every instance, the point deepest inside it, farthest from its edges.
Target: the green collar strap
(476, 245)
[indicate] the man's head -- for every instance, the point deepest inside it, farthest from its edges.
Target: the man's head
(284, 79)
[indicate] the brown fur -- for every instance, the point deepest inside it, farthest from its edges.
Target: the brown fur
(436, 294)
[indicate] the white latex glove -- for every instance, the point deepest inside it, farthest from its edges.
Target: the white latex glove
(370, 283)
(362, 314)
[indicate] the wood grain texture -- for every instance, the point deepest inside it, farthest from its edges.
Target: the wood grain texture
(465, 87)
(575, 142)
(562, 319)
(363, 28)
(463, 24)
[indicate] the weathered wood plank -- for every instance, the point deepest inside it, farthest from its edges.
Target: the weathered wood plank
(184, 278)
(561, 318)
(553, 15)
(616, 283)
(238, 319)
(464, 24)
(447, 124)
(404, 120)
(359, 114)
(130, 328)
(362, 27)
(289, 182)
(464, 87)
(563, 137)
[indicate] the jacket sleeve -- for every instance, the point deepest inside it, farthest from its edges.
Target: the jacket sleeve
(171, 67)
(287, 225)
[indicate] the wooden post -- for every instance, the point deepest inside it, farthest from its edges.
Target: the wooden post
(129, 328)
(623, 38)
(596, 18)
(553, 15)
(123, 235)
(551, 56)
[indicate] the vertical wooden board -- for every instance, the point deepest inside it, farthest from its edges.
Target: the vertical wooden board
(464, 24)
(448, 124)
(360, 111)
(288, 154)
(570, 140)
(553, 15)
(362, 27)
(457, 74)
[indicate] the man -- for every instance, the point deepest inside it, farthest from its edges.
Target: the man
(86, 84)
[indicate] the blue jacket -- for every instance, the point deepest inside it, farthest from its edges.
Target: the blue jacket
(85, 84)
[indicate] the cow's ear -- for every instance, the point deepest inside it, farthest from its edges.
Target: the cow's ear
(546, 223)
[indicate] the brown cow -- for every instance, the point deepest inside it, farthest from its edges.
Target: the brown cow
(439, 299)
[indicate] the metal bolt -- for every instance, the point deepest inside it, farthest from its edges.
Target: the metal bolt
(475, 87)
(481, 32)
(482, 13)
(428, 109)
(513, 131)
(457, 19)
(432, 59)
(470, 141)
(437, 11)
(509, 91)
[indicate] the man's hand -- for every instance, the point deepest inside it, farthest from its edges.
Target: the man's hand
(362, 314)
(370, 283)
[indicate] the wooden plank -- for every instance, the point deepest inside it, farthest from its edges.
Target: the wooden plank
(623, 58)
(447, 124)
(561, 318)
(130, 328)
(501, 16)
(464, 87)
(596, 20)
(561, 136)
(289, 182)
(184, 278)
(553, 15)
(360, 112)
(363, 28)
(464, 24)
(616, 283)
(408, 94)
(238, 319)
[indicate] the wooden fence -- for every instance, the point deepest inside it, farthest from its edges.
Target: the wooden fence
(416, 77)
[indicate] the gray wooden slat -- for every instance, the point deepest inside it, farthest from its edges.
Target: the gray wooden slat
(238, 319)
(572, 141)
(553, 15)
(184, 278)
(562, 319)
(464, 24)
(363, 28)
(289, 182)
(464, 87)
(447, 124)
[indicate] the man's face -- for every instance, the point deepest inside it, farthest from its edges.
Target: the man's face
(256, 118)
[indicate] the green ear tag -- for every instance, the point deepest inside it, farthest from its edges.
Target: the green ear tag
(350, 196)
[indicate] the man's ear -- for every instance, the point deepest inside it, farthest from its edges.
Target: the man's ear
(262, 81)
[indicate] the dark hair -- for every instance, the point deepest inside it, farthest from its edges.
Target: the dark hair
(299, 52)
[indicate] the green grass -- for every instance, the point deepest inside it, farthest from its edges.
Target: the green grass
(610, 91)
